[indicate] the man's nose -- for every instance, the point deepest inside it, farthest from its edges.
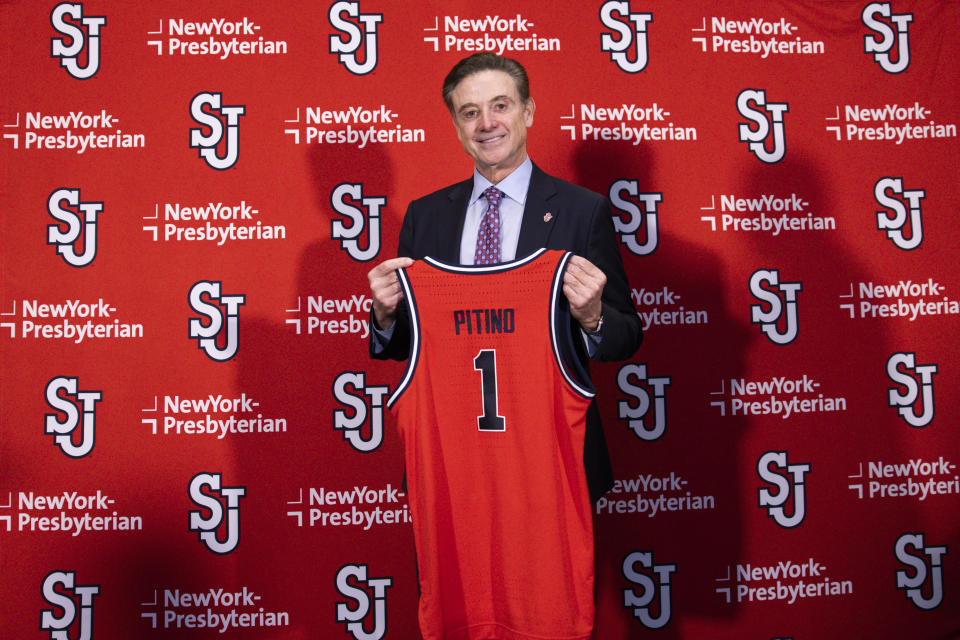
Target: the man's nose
(486, 119)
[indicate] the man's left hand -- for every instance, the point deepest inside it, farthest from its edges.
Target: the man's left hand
(583, 286)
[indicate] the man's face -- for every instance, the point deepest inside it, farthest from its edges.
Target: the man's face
(491, 122)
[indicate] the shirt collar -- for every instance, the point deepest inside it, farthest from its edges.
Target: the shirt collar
(514, 185)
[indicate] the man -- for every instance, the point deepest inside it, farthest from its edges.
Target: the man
(489, 101)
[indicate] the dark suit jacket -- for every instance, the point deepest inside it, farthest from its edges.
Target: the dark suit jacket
(579, 221)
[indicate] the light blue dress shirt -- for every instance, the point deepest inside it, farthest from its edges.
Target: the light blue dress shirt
(514, 187)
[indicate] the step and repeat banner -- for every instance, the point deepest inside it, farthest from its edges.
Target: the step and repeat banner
(194, 443)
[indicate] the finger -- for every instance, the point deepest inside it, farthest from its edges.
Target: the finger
(396, 263)
(582, 264)
(387, 292)
(384, 282)
(584, 285)
(387, 267)
(578, 296)
(586, 273)
(579, 261)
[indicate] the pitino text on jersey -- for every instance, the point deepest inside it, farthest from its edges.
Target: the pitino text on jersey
(470, 321)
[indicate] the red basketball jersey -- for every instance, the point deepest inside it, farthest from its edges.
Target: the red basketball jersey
(491, 410)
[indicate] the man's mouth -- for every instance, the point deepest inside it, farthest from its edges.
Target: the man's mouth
(491, 140)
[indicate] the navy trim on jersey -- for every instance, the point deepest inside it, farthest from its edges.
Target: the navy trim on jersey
(483, 268)
(561, 336)
(414, 337)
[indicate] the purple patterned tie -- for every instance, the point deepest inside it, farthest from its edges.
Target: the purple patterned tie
(488, 236)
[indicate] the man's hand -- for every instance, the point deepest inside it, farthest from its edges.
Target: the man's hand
(583, 286)
(385, 290)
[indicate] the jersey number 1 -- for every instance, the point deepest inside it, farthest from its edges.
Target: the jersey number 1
(486, 364)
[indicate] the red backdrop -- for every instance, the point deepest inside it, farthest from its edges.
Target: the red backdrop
(193, 441)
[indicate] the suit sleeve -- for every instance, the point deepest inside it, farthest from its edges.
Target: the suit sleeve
(622, 330)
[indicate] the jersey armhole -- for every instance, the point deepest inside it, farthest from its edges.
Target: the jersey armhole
(562, 335)
(414, 354)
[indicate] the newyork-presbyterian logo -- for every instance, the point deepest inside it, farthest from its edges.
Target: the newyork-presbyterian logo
(501, 34)
(357, 30)
(781, 583)
(219, 509)
(332, 316)
(890, 31)
(631, 30)
(365, 214)
(924, 572)
(767, 37)
(80, 218)
(222, 124)
(788, 480)
(915, 403)
(767, 128)
(215, 39)
(221, 313)
(653, 495)
(351, 390)
(639, 406)
(905, 226)
(75, 410)
(81, 37)
(780, 300)
(210, 223)
(364, 612)
(361, 506)
(654, 580)
(642, 212)
(71, 606)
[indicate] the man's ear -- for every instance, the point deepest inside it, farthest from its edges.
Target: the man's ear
(529, 108)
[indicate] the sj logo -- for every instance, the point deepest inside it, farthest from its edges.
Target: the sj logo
(906, 212)
(366, 215)
(223, 123)
(651, 588)
(223, 505)
(351, 423)
(82, 37)
(917, 380)
(637, 218)
(612, 15)
(925, 565)
(353, 36)
(767, 117)
(76, 407)
(634, 413)
(772, 467)
(205, 298)
(885, 36)
(782, 303)
(369, 599)
(81, 226)
(63, 594)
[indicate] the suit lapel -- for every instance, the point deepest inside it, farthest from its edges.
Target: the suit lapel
(451, 223)
(538, 216)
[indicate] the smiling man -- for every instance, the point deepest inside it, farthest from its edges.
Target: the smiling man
(522, 514)
(488, 97)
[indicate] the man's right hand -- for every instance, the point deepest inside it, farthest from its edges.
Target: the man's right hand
(385, 290)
